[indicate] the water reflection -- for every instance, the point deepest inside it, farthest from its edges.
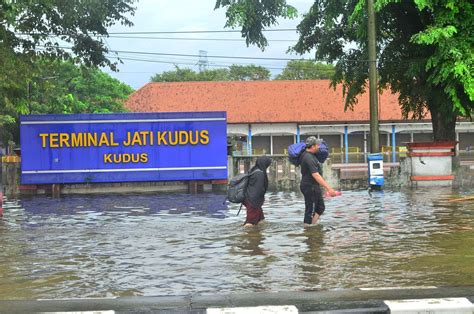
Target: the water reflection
(311, 259)
(120, 245)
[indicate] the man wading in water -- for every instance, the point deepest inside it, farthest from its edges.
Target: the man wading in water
(311, 180)
(255, 193)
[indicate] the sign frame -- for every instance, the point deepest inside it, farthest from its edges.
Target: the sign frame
(123, 147)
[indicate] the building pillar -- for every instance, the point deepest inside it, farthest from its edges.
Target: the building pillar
(365, 146)
(249, 141)
(394, 144)
(411, 136)
(457, 143)
(298, 137)
(346, 143)
(271, 145)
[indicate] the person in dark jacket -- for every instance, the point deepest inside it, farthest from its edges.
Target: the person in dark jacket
(255, 194)
(311, 182)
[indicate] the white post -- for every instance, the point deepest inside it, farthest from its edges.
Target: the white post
(457, 144)
(271, 145)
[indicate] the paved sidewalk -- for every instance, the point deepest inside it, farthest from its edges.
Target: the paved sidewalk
(379, 300)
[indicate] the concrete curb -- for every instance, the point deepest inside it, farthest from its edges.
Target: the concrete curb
(332, 301)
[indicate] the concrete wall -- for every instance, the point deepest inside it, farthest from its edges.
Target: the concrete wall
(10, 178)
(283, 176)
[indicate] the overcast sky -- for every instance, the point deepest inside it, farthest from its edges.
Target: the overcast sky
(191, 15)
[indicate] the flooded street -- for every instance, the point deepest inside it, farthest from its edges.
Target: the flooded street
(174, 244)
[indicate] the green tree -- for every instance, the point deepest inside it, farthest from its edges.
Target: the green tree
(234, 73)
(248, 73)
(306, 70)
(33, 28)
(63, 87)
(177, 75)
(425, 49)
(30, 31)
(214, 75)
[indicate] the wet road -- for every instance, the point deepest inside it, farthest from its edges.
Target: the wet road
(123, 245)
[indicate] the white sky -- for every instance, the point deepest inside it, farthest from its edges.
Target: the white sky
(192, 15)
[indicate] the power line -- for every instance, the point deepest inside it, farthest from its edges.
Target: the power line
(193, 55)
(185, 63)
(212, 56)
(162, 32)
(199, 32)
(194, 60)
(195, 39)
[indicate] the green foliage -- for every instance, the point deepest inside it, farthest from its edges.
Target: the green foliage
(29, 35)
(254, 15)
(33, 28)
(66, 88)
(451, 64)
(306, 70)
(60, 87)
(178, 75)
(234, 73)
(248, 73)
(425, 50)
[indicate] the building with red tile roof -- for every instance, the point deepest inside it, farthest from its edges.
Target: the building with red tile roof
(311, 101)
(270, 115)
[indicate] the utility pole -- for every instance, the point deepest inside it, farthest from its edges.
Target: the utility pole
(374, 108)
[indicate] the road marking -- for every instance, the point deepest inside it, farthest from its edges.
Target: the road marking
(432, 306)
(398, 288)
(81, 312)
(254, 310)
(77, 299)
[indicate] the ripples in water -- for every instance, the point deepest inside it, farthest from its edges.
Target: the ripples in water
(119, 245)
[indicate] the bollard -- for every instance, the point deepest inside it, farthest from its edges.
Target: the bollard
(56, 190)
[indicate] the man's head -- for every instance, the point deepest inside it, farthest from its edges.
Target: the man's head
(312, 144)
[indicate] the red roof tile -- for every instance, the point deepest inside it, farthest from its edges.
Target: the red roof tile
(262, 101)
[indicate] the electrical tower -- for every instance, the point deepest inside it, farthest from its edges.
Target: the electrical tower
(203, 63)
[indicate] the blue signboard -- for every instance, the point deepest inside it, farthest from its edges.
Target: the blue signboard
(83, 148)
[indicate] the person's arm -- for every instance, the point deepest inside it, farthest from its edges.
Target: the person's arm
(323, 183)
(314, 166)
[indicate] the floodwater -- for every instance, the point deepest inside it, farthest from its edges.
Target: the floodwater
(174, 244)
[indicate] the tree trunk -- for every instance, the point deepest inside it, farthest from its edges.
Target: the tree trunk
(444, 125)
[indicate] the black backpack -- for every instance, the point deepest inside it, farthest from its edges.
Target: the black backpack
(238, 186)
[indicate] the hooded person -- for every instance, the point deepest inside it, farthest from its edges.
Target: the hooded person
(256, 189)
